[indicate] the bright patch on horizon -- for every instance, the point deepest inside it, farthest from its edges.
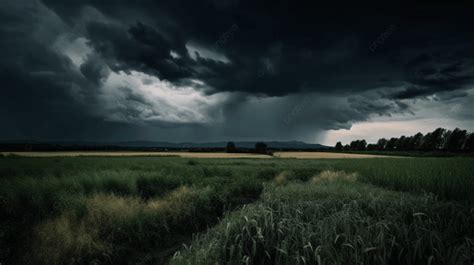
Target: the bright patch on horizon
(371, 131)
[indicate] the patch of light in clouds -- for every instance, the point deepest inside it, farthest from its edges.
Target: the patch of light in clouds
(203, 52)
(137, 96)
(75, 49)
(175, 55)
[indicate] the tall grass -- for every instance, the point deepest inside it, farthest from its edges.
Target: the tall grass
(338, 221)
(41, 196)
(102, 210)
(447, 178)
(116, 228)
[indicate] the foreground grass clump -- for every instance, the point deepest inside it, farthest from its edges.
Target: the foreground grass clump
(115, 228)
(103, 210)
(338, 221)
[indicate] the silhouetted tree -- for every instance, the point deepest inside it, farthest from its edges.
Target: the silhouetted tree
(362, 145)
(399, 143)
(260, 148)
(403, 143)
(381, 144)
(407, 143)
(455, 140)
(415, 142)
(469, 143)
(446, 136)
(230, 148)
(354, 145)
(358, 145)
(439, 139)
(372, 147)
(391, 144)
(426, 142)
(338, 146)
(434, 140)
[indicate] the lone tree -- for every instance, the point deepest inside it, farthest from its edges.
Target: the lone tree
(338, 146)
(230, 148)
(260, 148)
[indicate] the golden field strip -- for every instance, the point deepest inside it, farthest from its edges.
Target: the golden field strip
(302, 155)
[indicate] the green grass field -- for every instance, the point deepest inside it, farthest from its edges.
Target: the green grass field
(154, 210)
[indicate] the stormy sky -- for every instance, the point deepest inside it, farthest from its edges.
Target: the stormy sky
(218, 70)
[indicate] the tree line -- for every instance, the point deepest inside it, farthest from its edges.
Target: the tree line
(440, 139)
(260, 148)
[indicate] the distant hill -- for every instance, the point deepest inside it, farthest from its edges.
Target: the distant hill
(249, 144)
(163, 145)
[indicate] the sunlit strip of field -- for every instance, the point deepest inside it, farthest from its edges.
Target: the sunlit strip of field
(318, 155)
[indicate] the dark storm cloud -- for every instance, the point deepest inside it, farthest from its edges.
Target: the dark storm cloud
(94, 69)
(38, 86)
(138, 47)
(280, 47)
(437, 72)
(272, 50)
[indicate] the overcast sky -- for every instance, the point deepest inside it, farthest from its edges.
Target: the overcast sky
(218, 70)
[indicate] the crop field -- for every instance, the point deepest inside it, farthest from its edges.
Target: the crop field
(305, 155)
(174, 210)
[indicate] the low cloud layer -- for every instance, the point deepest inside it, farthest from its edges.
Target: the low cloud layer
(217, 70)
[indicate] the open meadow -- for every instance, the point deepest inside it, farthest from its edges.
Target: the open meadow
(160, 210)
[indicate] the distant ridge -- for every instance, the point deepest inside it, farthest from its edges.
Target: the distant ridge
(243, 144)
(183, 145)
